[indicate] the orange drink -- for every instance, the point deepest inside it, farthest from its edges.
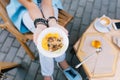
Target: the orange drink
(96, 43)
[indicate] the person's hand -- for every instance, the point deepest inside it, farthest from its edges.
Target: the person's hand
(61, 27)
(38, 30)
(53, 23)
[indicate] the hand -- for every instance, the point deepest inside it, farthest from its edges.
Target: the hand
(61, 27)
(38, 30)
(53, 23)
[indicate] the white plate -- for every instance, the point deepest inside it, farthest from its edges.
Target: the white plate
(99, 28)
(55, 53)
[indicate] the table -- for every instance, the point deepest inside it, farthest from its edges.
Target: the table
(108, 36)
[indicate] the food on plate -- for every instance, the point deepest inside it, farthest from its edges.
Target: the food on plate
(52, 42)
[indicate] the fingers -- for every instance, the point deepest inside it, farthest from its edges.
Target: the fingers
(38, 30)
(65, 30)
(61, 27)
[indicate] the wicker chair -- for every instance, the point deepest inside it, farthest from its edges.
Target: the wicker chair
(63, 19)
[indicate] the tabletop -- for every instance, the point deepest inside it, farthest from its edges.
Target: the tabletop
(109, 36)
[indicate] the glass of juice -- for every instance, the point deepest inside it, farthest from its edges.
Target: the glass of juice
(96, 44)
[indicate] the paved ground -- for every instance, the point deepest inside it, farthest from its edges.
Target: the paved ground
(84, 11)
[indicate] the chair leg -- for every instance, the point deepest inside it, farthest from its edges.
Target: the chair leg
(28, 51)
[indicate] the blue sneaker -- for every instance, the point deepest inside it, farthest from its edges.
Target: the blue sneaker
(72, 74)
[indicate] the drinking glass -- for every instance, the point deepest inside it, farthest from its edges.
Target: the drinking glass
(96, 44)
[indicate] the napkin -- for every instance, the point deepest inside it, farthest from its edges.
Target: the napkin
(102, 64)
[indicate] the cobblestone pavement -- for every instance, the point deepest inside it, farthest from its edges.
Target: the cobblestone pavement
(83, 11)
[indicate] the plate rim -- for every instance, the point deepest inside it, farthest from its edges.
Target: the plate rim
(55, 53)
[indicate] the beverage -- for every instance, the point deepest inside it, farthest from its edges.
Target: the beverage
(105, 21)
(96, 43)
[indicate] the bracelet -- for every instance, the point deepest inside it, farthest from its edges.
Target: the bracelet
(51, 17)
(40, 21)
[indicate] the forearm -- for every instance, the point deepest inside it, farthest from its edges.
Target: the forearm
(47, 8)
(32, 9)
(48, 11)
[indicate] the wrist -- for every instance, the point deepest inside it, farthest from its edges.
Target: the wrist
(40, 27)
(40, 21)
(52, 21)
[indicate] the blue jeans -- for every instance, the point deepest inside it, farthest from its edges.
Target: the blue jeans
(47, 64)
